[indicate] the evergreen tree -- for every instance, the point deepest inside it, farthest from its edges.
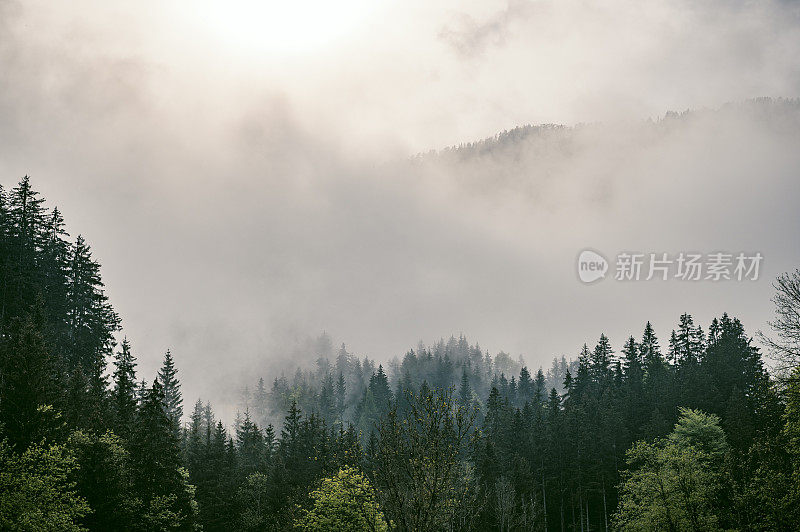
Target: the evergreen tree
(29, 384)
(464, 390)
(104, 480)
(341, 398)
(261, 403)
(382, 394)
(250, 447)
(123, 396)
(158, 479)
(540, 387)
(601, 360)
(173, 401)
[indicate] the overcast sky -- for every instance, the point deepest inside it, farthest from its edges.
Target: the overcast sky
(240, 168)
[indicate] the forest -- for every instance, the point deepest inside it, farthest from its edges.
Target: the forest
(687, 430)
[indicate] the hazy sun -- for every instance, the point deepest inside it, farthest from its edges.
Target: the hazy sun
(282, 26)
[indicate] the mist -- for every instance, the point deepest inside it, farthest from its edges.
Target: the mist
(243, 198)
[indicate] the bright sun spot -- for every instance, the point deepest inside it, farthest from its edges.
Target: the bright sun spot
(282, 26)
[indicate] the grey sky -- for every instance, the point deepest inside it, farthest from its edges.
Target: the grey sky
(240, 170)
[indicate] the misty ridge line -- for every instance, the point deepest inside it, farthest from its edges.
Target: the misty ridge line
(764, 107)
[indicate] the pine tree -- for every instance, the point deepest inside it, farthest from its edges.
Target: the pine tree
(156, 462)
(173, 401)
(327, 400)
(540, 387)
(341, 398)
(123, 396)
(195, 439)
(525, 388)
(54, 265)
(261, 403)
(343, 361)
(25, 217)
(91, 319)
(687, 344)
(381, 393)
(601, 360)
(464, 390)
(250, 446)
(29, 385)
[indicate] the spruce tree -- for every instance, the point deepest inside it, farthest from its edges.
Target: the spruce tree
(156, 462)
(341, 398)
(173, 401)
(29, 384)
(92, 321)
(525, 387)
(25, 217)
(464, 390)
(539, 387)
(261, 403)
(250, 446)
(123, 397)
(381, 393)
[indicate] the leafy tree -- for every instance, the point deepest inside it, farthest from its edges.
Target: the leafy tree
(418, 460)
(253, 498)
(791, 432)
(785, 344)
(36, 492)
(674, 483)
(346, 502)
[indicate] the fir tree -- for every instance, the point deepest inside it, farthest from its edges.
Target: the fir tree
(156, 461)
(173, 401)
(123, 396)
(29, 385)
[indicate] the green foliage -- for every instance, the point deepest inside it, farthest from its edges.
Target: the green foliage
(344, 502)
(792, 416)
(36, 493)
(792, 433)
(675, 483)
(30, 383)
(700, 431)
(123, 396)
(173, 401)
(253, 498)
(159, 481)
(103, 479)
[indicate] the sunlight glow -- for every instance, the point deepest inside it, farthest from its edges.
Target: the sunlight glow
(285, 26)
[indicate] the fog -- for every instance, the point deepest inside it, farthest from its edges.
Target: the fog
(247, 186)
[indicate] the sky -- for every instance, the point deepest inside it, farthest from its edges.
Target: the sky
(241, 168)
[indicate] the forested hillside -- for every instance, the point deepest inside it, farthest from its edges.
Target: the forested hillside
(686, 431)
(541, 162)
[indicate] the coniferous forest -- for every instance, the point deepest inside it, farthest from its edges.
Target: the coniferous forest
(675, 429)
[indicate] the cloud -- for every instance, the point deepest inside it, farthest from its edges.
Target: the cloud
(470, 37)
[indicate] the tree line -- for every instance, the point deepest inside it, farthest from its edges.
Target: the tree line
(692, 435)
